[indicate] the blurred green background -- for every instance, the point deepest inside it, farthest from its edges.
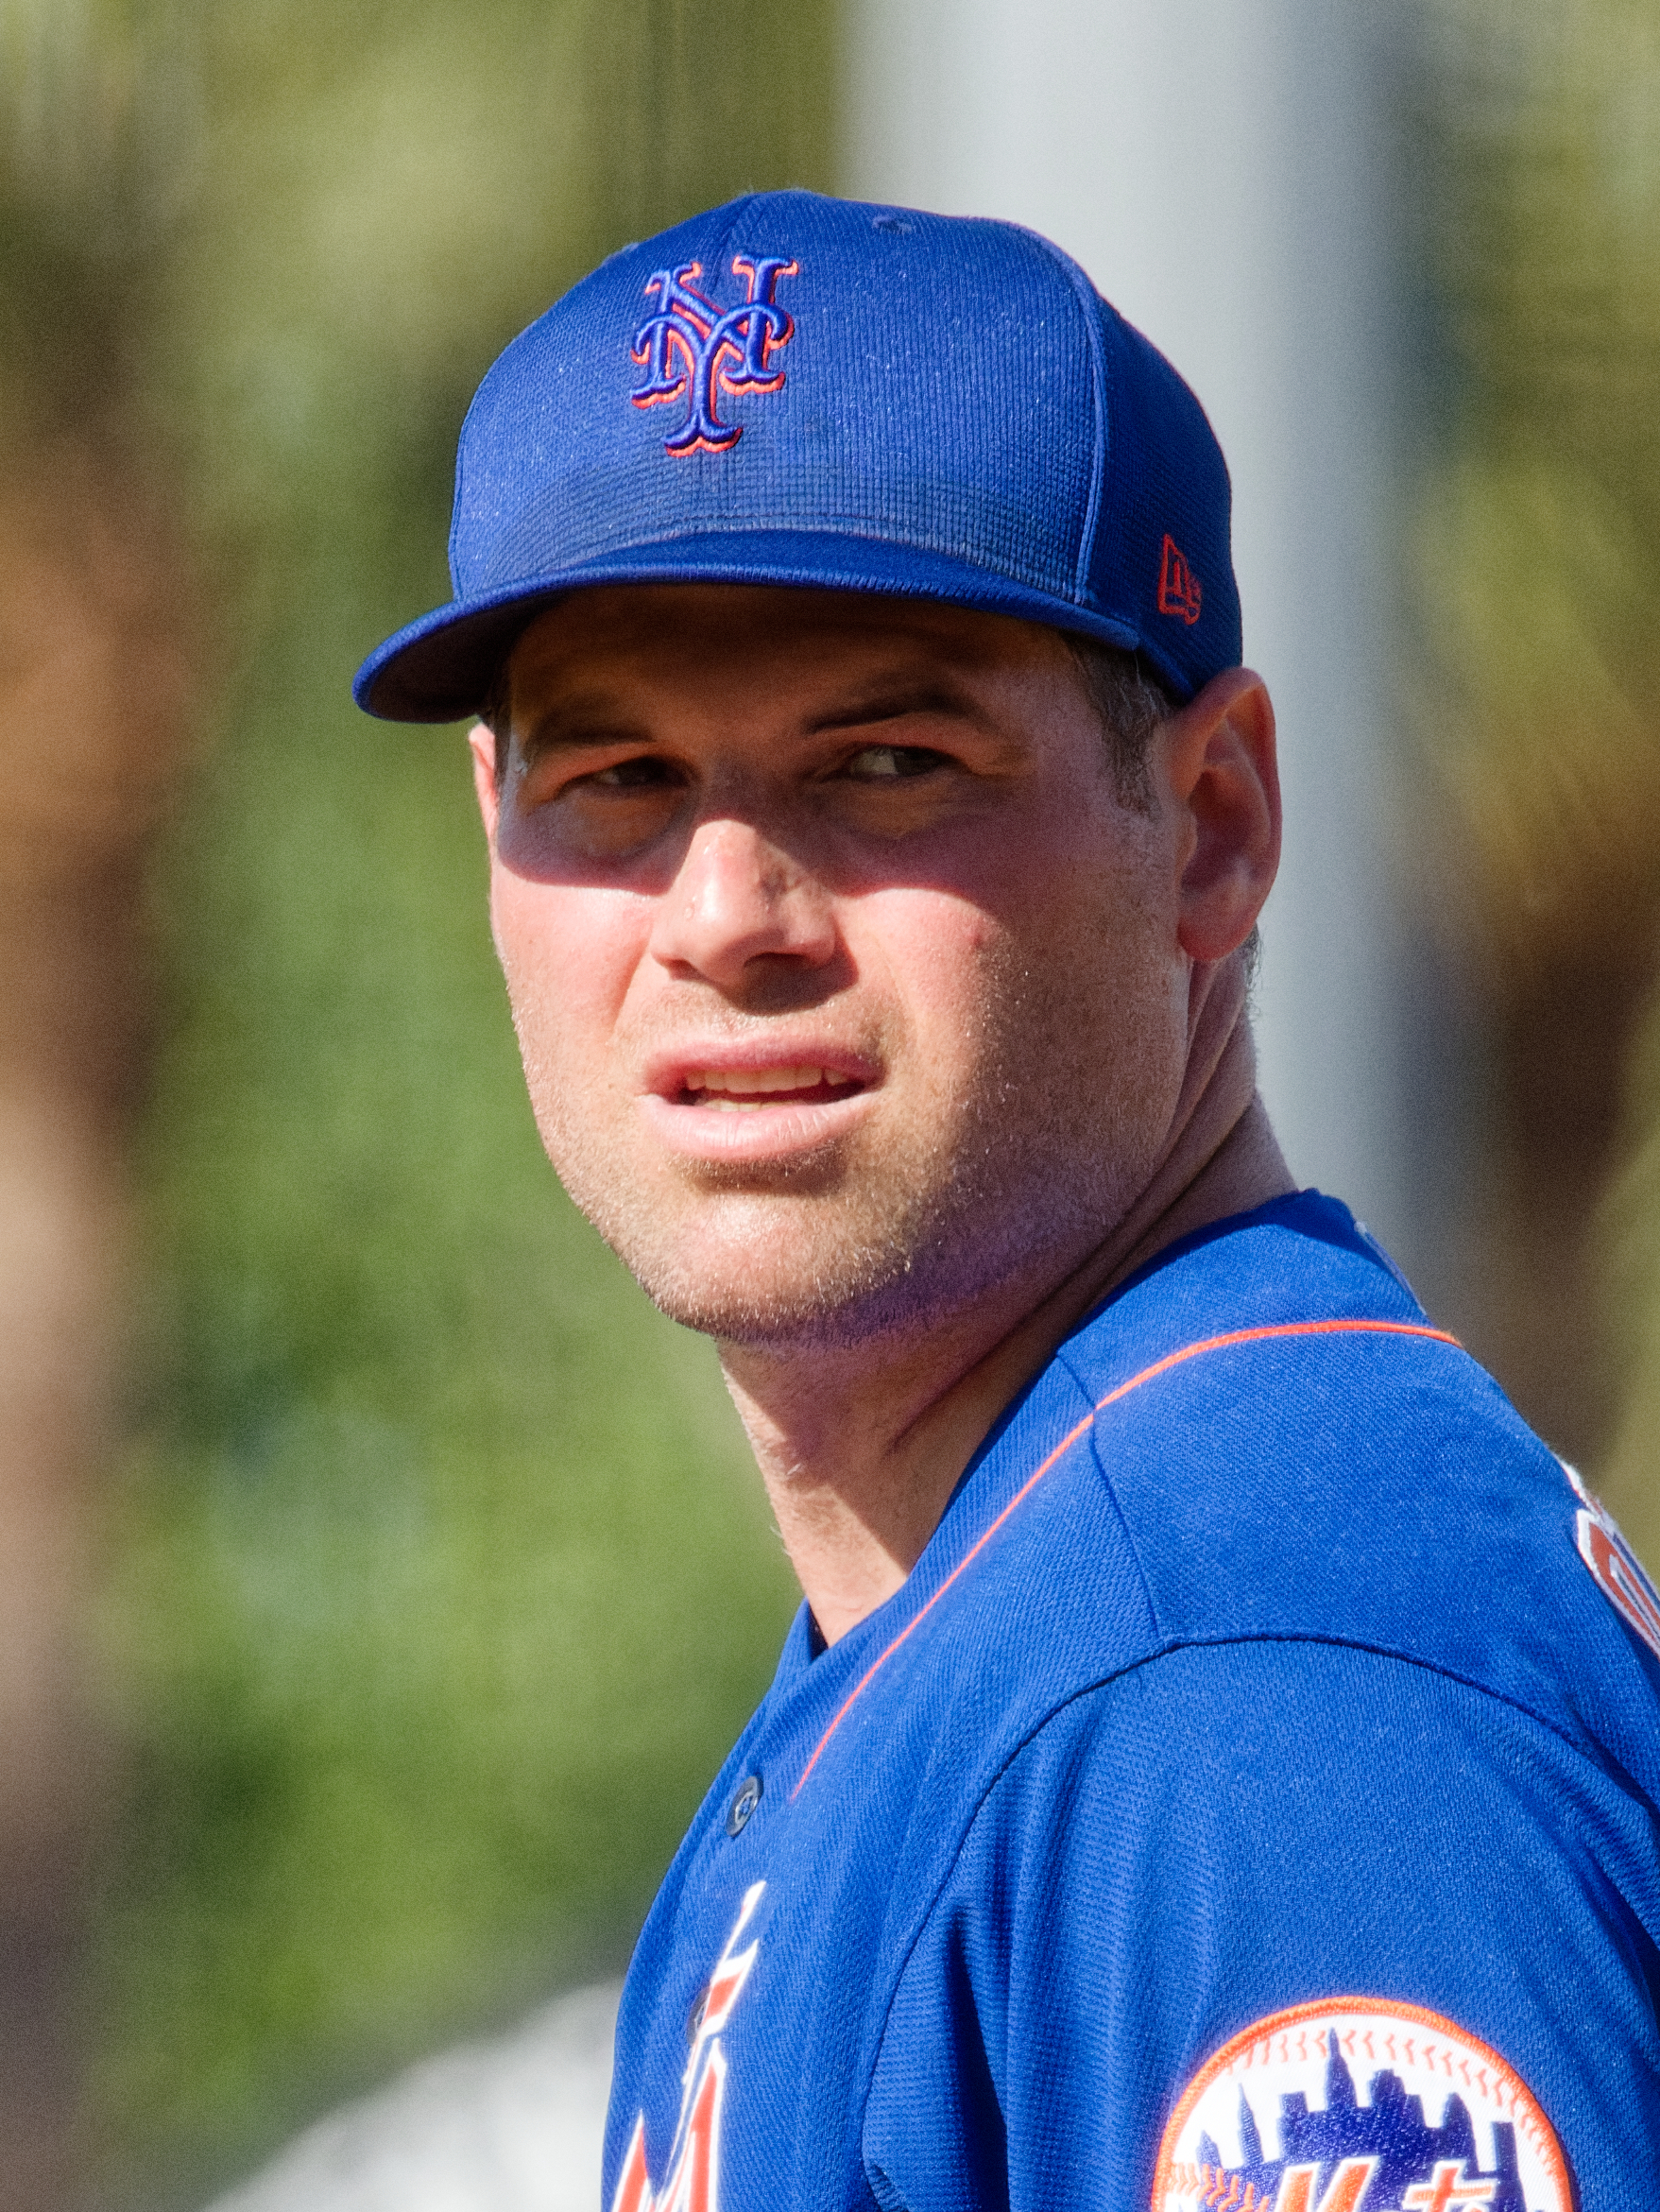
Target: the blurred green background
(436, 1583)
(431, 1583)
(1530, 818)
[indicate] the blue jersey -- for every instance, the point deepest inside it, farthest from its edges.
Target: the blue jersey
(1248, 1802)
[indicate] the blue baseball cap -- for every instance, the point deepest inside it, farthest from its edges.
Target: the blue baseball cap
(792, 389)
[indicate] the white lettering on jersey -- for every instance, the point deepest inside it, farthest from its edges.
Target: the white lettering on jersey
(693, 2179)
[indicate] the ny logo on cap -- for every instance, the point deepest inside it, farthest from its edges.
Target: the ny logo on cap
(692, 349)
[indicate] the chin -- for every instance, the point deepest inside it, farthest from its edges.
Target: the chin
(786, 1278)
(781, 1290)
(792, 1317)
(854, 1253)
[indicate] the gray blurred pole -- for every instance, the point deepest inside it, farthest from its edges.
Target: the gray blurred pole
(1216, 167)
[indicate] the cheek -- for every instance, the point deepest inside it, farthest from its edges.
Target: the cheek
(1084, 928)
(932, 957)
(568, 955)
(1095, 986)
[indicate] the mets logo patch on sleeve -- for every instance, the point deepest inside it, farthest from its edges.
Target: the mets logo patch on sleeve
(1359, 2104)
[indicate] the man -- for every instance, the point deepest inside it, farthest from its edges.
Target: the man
(1215, 1761)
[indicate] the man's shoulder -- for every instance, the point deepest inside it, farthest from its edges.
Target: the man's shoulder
(1294, 1681)
(1263, 1437)
(1297, 1262)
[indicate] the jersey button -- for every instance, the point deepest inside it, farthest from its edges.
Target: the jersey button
(744, 1805)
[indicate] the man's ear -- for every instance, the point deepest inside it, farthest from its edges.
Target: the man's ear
(1223, 773)
(483, 742)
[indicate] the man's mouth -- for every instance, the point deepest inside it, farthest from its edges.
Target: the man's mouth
(740, 1091)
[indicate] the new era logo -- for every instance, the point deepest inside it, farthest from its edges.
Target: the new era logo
(1179, 586)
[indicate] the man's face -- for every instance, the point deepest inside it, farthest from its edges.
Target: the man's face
(849, 992)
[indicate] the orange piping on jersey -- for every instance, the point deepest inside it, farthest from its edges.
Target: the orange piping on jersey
(1191, 1352)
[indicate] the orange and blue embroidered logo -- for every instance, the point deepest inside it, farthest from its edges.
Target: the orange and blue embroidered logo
(1179, 591)
(690, 349)
(1360, 2104)
(692, 2183)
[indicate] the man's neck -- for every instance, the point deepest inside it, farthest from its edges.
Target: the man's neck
(861, 1453)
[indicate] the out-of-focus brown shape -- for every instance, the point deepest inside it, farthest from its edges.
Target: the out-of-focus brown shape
(1536, 565)
(1545, 881)
(96, 678)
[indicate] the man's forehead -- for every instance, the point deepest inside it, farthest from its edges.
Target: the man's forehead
(678, 632)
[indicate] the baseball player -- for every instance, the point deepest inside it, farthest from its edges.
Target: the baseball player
(1215, 1761)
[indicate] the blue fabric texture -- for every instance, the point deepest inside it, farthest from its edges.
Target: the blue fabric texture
(1282, 1680)
(793, 389)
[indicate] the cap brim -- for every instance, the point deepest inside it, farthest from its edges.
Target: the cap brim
(442, 667)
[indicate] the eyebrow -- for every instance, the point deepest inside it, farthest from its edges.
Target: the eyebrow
(575, 725)
(568, 727)
(894, 701)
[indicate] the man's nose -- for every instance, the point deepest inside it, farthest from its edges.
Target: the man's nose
(738, 898)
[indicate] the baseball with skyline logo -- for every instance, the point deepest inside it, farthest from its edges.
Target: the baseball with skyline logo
(1360, 2105)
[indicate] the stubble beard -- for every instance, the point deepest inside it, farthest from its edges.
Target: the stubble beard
(906, 1223)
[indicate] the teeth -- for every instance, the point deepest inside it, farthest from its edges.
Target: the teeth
(734, 1090)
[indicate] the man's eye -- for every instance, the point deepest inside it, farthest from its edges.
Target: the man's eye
(882, 763)
(642, 774)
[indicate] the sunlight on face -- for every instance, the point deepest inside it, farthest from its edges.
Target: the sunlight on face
(846, 987)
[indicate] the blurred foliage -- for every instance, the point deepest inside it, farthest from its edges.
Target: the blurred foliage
(436, 1585)
(1536, 561)
(1537, 541)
